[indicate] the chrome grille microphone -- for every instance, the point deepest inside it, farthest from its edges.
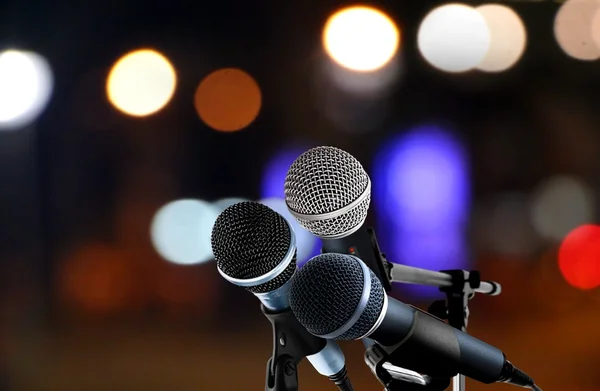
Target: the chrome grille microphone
(328, 192)
(254, 247)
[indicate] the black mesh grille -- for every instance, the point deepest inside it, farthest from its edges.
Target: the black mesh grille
(325, 294)
(370, 315)
(249, 240)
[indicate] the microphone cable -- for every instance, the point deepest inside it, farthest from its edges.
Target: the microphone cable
(342, 381)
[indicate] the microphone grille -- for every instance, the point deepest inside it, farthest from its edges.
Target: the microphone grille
(249, 240)
(326, 291)
(323, 180)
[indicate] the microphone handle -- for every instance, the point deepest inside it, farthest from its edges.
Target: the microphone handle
(418, 341)
(362, 244)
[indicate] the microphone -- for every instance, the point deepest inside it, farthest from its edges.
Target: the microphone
(328, 192)
(337, 296)
(254, 247)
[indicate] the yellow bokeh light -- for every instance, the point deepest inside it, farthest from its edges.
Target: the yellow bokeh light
(141, 83)
(228, 100)
(361, 38)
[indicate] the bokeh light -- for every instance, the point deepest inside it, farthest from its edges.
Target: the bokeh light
(421, 179)
(141, 83)
(573, 29)
(508, 37)
(454, 38)
(275, 171)
(307, 244)
(26, 83)
(579, 257)
(502, 226)
(97, 277)
(181, 230)
(596, 28)
(361, 38)
(421, 195)
(228, 100)
(560, 205)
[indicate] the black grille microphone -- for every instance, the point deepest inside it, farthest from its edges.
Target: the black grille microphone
(337, 296)
(254, 247)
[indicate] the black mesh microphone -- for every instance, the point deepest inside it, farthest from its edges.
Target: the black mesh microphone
(337, 296)
(254, 247)
(328, 192)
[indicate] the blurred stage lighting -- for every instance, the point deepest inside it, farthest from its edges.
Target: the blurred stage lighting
(573, 28)
(361, 38)
(228, 100)
(508, 38)
(501, 226)
(596, 28)
(579, 257)
(454, 38)
(26, 84)
(141, 83)
(421, 180)
(275, 171)
(224, 203)
(421, 195)
(560, 205)
(307, 244)
(181, 230)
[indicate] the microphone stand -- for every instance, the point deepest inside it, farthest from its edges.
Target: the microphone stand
(459, 286)
(291, 344)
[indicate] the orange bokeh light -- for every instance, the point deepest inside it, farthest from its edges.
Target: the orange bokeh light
(99, 278)
(228, 100)
(579, 257)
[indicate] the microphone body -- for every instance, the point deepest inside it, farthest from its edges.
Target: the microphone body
(419, 341)
(254, 247)
(337, 296)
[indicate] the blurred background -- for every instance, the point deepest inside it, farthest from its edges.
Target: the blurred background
(125, 128)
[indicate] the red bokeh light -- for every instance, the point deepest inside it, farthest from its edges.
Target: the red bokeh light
(579, 257)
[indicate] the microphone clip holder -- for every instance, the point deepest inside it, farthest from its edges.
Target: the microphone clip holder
(291, 343)
(395, 378)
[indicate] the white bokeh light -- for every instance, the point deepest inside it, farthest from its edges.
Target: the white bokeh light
(573, 29)
(454, 38)
(508, 37)
(141, 83)
(560, 205)
(361, 38)
(305, 241)
(181, 230)
(25, 87)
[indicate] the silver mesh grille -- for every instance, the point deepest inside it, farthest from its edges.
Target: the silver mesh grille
(324, 180)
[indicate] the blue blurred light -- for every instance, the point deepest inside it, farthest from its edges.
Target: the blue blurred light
(276, 169)
(421, 180)
(421, 198)
(307, 244)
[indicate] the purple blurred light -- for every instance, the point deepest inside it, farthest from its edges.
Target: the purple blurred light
(424, 180)
(421, 198)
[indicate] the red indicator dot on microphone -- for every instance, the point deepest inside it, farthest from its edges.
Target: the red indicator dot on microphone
(352, 250)
(579, 257)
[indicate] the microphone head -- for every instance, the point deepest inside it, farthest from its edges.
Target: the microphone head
(254, 247)
(336, 296)
(328, 191)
